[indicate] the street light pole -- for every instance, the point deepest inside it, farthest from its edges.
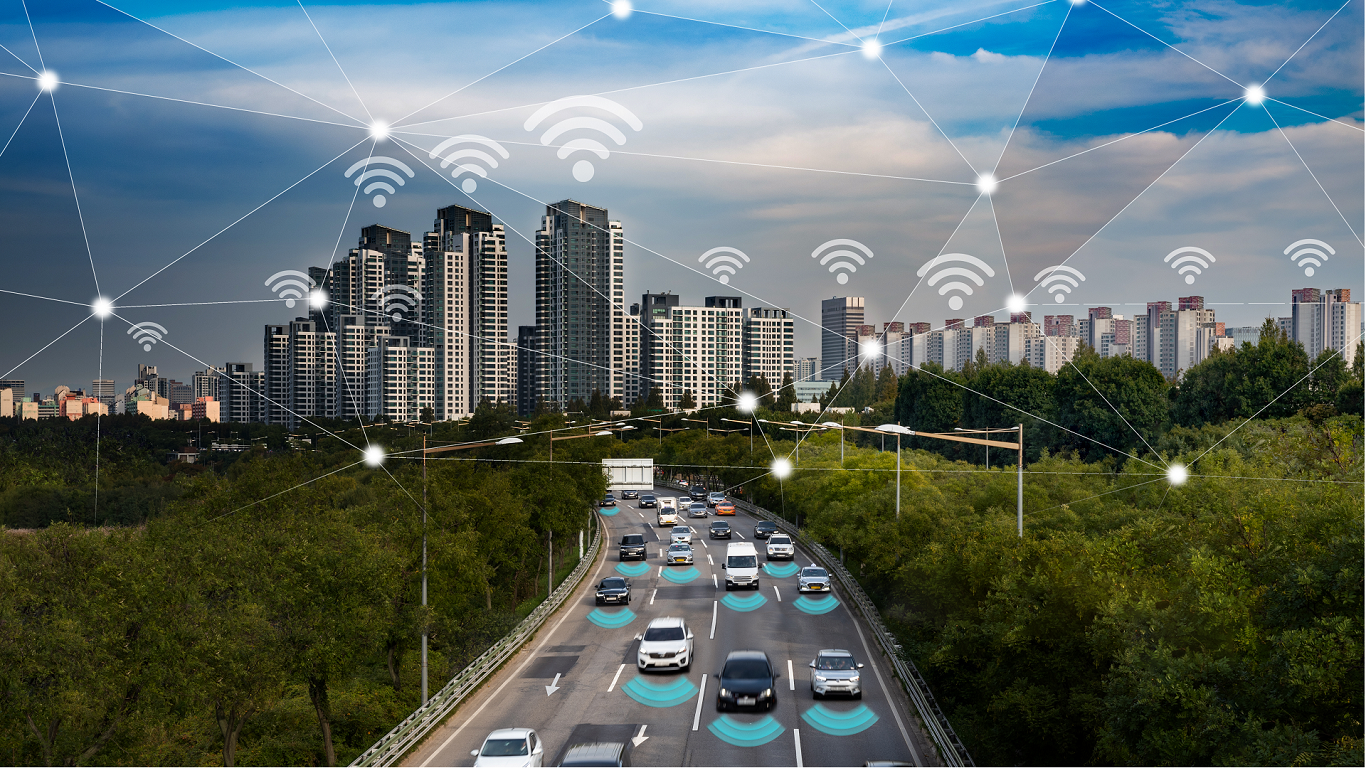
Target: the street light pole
(898, 473)
(424, 569)
(1019, 486)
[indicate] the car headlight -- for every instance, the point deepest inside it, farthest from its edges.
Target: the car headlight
(854, 679)
(767, 692)
(724, 693)
(822, 679)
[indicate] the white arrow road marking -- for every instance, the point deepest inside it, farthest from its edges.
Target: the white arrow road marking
(639, 738)
(777, 594)
(615, 678)
(701, 694)
(713, 619)
(797, 737)
(791, 681)
(554, 685)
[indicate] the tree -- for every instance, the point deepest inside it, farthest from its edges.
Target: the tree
(759, 386)
(929, 400)
(492, 420)
(887, 385)
(787, 394)
(1118, 402)
(686, 402)
(1267, 379)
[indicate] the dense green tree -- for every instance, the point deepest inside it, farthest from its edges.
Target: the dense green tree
(787, 395)
(492, 420)
(930, 400)
(1118, 402)
(686, 402)
(1267, 379)
(887, 385)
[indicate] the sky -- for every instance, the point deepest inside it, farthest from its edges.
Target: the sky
(185, 157)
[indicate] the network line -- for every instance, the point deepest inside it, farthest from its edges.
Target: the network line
(1306, 42)
(1312, 175)
(837, 21)
(966, 23)
(21, 123)
(823, 41)
(927, 114)
(1164, 42)
(208, 104)
(21, 61)
(1047, 57)
(334, 60)
(85, 235)
(1316, 114)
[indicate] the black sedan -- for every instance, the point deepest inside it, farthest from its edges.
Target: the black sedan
(608, 501)
(630, 494)
(648, 501)
(614, 589)
(747, 681)
(765, 529)
(719, 530)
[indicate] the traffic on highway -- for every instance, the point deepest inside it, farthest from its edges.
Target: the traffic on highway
(685, 647)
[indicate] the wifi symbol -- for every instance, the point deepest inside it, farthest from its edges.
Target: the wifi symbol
(722, 264)
(147, 334)
(398, 299)
(1193, 263)
(1309, 254)
(583, 169)
(290, 285)
(956, 302)
(1061, 283)
(372, 173)
(836, 256)
(469, 184)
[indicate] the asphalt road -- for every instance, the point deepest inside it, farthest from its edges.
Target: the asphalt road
(599, 696)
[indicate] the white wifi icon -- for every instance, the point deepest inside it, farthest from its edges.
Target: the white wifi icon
(1060, 284)
(841, 259)
(290, 285)
(722, 264)
(466, 154)
(1192, 263)
(953, 259)
(397, 300)
(147, 334)
(1308, 261)
(583, 169)
(379, 173)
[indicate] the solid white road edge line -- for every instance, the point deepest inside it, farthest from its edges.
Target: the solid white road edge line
(616, 677)
(701, 692)
(797, 738)
(713, 620)
(867, 652)
(791, 679)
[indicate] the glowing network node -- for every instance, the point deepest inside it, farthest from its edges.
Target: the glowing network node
(869, 349)
(1016, 303)
(379, 130)
(1254, 94)
(782, 468)
(622, 9)
(871, 49)
(1078, 2)
(986, 183)
(102, 307)
(317, 299)
(747, 403)
(374, 456)
(1177, 474)
(48, 80)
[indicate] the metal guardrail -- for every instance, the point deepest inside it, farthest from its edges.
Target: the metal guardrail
(951, 748)
(395, 744)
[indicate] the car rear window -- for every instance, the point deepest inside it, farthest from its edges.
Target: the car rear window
(634, 538)
(747, 669)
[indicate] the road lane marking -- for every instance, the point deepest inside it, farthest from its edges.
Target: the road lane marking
(661, 568)
(640, 738)
(791, 679)
(915, 756)
(713, 581)
(710, 561)
(779, 595)
(701, 692)
(652, 596)
(741, 535)
(554, 685)
(797, 737)
(615, 678)
(714, 603)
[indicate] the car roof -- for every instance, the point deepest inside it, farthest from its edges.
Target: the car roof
(508, 733)
(594, 752)
(747, 654)
(666, 621)
(833, 652)
(680, 545)
(715, 523)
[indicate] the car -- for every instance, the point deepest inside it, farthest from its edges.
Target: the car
(632, 547)
(630, 494)
(714, 498)
(697, 509)
(614, 589)
(666, 515)
(648, 501)
(665, 644)
(813, 578)
(741, 565)
(598, 753)
(679, 553)
(608, 501)
(780, 547)
(697, 493)
(720, 529)
(835, 670)
(765, 529)
(510, 747)
(725, 508)
(747, 680)
(681, 533)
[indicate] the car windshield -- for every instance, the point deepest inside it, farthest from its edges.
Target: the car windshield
(721, 526)
(647, 497)
(663, 633)
(680, 548)
(835, 662)
(504, 748)
(767, 527)
(614, 583)
(634, 538)
(779, 540)
(818, 573)
(746, 669)
(742, 561)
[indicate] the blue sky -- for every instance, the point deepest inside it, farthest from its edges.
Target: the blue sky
(765, 128)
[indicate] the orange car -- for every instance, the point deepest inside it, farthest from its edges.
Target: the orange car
(725, 508)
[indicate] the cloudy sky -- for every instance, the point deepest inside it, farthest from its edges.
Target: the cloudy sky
(208, 151)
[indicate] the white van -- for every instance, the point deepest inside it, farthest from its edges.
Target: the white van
(668, 512)
(741, 565)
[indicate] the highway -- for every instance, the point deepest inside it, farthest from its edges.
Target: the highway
(577, 681)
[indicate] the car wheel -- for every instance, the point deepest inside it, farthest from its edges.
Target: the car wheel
(628, 599)
(727, 586)
(858, 696)
(597, 601)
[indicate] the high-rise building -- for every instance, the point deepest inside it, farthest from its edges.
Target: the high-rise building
(355, 334)
(697, 349)
(1152, 330)
(526, 370)
(1059, 325)
(1187, 336)
(806, 368)
(103, 391)
(841, 317)
(205, 383)
(399, 379)
(652, 348)
(1051, 353)
(300, 373)
(16, 387)
(767, 345)
(1328, 319)
(242, 390)
(580, 312)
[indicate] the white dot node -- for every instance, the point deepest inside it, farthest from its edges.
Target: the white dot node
(1016, 303)
(1254, 94)
(1190, 279)
(1177, 474)
(871, 49)
(842, 278)
(374, 456)
(104, 307)
(747, 403)
(1308, 271)
(622, 9)
(955, 302)
(317, 299)
(782, 468)
(378, 200)
(1058, 297)
(48, 81)
(725, 279)
(986, 183)
(583, 170)
(469, 185)
(379, 130)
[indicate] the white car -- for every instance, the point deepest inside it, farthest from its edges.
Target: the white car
(666, 644)
(510, 747)
(835, 671)
(813, 578)
(780, 547)
(680, 535)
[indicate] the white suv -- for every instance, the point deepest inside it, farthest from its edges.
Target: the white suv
(666, 644)
(780, 547)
